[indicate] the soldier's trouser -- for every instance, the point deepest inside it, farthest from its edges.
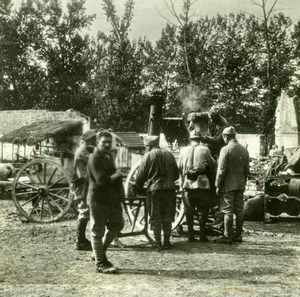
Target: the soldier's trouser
(196, 202)
(82, 220)
(232, 202)
(83, 210)
(102, 216)
(161, 206)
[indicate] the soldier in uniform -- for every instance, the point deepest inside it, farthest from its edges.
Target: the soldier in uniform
(216, 126)
(105, 197)
(81, 157)
(232, 173)
(159, 169)
(197, 168)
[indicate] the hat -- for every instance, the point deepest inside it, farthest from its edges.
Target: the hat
(151, 140)
(229, 131)
(214, 110)
(88, 135)
(195, 134)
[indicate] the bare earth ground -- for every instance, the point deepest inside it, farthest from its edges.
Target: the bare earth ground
(40, 260)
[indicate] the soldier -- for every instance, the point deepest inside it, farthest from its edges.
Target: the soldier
(216, 126)
(197, 168)
(159, 169)
(232, 173)
(105, 197)
(80, 165)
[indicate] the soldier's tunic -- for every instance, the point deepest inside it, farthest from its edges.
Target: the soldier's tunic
(233, 169)
(159, 169)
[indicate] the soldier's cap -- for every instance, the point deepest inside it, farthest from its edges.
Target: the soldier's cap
(151, 140)
(229, 131)
(214, 110)
(88, 135)
(195, 134)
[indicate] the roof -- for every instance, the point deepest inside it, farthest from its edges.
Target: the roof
(131, 139)
(39, 131)
(14, 119)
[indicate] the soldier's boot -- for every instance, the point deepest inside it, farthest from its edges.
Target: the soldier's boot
(110, 236)
(228, 222)
(102, 264)
(82, 243)
(157, 237)
(202, 223)
(167, 228)
(239, 219)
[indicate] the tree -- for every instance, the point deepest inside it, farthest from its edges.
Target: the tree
(119, 102)
(22, 80)
(45, 57)
(275, 58)
(184, 25)
(66, 54)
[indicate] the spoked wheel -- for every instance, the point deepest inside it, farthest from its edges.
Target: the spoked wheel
(134, 208)
(41, 192)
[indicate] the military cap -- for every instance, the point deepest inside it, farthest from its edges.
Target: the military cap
(151, 140)
(229, 131)
(195, 134)
(88, 135)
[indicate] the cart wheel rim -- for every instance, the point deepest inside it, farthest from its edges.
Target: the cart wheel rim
(41, 191)
(132, 208)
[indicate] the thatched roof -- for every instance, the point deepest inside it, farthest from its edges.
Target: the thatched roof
(42, 130)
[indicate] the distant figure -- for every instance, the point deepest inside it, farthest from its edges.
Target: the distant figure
(277, 151)
(271, 152)
(232, 173)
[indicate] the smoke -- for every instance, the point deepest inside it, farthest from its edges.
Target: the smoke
(192, 98)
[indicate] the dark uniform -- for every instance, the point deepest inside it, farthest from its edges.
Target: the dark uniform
(159, 169)
(215, 139)
(104, 199)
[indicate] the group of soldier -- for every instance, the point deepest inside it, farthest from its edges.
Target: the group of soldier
(212, 166)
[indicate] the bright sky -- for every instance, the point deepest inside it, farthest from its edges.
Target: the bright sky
(147, 21)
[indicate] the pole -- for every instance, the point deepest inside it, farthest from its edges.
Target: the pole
(157, 101)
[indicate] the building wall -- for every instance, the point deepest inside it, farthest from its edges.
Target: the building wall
(255, 143)
(287, 121)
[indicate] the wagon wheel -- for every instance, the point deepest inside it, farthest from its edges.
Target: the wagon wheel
(134, 210)
(41, 192)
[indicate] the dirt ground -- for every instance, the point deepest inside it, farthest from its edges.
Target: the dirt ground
(40, 260)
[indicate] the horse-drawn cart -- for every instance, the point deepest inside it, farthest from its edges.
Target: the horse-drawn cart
(40, 188)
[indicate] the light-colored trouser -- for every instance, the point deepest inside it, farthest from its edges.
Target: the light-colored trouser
(83, 210)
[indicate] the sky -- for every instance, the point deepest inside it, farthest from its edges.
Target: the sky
(148, 22)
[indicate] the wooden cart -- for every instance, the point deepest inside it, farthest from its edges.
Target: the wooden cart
(40, 189)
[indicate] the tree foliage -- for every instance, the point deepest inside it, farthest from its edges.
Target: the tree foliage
(120, 103)
(240, 62)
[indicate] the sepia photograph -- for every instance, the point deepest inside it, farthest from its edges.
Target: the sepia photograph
(149, 148)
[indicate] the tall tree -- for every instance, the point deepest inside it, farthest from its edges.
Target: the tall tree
(120, 103)
(21, 84)
(66, 54)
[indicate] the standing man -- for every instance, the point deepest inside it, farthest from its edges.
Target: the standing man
(197, 168)
(159, 169)
(86, 147)
(232, 173)
(105, 195)
(216, 126)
